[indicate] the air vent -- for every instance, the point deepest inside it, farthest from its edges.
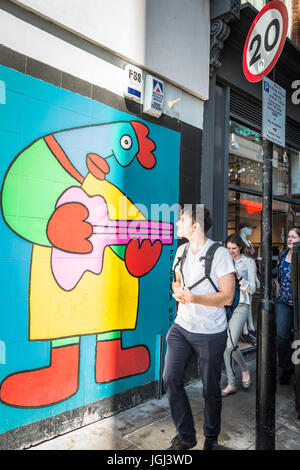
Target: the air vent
(243, 107)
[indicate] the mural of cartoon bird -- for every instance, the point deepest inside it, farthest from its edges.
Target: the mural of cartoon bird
(85, 270)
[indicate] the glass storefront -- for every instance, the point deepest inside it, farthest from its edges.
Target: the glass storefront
(245, 178)
(245, 163)
(245, 157)
(245, 186)
(245, 210)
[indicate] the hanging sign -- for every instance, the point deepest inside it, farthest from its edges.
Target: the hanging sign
(274, 104)
(265, 41)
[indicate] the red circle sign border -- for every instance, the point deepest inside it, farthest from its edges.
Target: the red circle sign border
(276, 4)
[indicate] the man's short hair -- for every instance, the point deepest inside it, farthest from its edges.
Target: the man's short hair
(199, 213)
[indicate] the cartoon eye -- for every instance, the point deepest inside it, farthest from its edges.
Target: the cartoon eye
(126, 142)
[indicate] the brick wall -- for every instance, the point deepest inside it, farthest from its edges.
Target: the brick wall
(296, 21)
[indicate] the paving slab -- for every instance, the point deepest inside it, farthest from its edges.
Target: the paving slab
(156, 436)
(93, 437)
(286, 439)
(139, 416)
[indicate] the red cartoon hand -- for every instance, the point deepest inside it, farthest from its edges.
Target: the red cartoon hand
(140, 259)
(67, 229)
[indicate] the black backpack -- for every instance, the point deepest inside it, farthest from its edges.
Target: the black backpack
(208, 264)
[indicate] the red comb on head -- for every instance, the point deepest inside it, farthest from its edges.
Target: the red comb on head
(146, 145)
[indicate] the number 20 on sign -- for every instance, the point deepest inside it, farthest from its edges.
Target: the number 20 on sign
(265, 41)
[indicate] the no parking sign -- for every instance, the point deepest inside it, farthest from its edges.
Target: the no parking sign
(265, 41)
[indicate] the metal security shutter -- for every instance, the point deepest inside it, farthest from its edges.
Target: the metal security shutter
(249, 111)
(244, 107)
(293, 133)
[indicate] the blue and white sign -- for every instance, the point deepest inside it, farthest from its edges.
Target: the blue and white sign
(133, 83)
(274, 104)
(153, 96)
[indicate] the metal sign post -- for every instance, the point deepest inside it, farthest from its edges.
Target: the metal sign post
(266, 326)
(263, 46)
(273, 132)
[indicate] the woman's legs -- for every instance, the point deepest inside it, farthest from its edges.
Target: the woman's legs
(236, 324)
(284, 323)
(249, 323)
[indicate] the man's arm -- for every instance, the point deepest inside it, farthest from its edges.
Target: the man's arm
(177, 283)
(176, 286)
(218, 299)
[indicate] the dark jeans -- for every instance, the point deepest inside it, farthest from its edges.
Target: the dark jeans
(210, 350)
(284, 324)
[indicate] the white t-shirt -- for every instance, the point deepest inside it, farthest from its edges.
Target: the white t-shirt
(197, 318)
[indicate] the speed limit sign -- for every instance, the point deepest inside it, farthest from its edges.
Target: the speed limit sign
(265, 41)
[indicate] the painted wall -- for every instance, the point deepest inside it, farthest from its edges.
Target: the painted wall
(85, 288)
(80, 333)
(170, 37)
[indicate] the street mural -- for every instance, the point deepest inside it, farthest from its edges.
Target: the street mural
(79, 244)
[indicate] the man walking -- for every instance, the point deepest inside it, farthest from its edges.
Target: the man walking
(200, 326)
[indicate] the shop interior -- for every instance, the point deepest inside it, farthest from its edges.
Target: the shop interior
(245, 173)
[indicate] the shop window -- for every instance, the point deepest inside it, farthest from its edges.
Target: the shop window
(246, 163)
(244, 210)
(245, 202)
(245, 193)
(295, 173)
(286, 172)
(245, 157)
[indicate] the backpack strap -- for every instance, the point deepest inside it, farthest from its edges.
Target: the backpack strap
(208, 264)
(209, 258)
(180, 261)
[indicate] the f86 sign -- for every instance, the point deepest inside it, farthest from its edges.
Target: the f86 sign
(265, 41)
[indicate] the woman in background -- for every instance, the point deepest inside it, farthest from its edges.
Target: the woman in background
(284, 308)
(246, 274)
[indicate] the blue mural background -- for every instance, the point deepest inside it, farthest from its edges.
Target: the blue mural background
(32, 109)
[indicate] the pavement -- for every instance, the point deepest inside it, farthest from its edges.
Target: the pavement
(149, 426)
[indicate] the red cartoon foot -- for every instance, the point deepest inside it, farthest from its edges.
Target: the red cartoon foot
(113, 362)
(46, 386)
